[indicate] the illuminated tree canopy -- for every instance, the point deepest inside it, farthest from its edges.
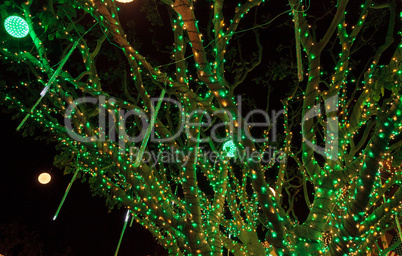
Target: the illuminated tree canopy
(319, 174)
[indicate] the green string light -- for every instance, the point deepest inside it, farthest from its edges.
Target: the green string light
(16, 26)
(146, 191)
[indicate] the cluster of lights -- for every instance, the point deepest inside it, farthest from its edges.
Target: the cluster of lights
(16, 26)
(164, 213)
(230, 148)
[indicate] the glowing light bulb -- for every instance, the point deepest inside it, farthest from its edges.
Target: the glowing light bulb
(230, 148)
(124, 1)
(16, 26)
(44, 178)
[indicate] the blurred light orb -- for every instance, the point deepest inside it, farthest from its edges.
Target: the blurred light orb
(16, 26)
(230, 148)
(44, 178)
(124, 1)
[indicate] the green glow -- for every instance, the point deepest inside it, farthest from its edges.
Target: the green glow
(16, 26)
(191, 199)
(230, 148)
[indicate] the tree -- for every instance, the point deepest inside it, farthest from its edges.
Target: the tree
(210, 180)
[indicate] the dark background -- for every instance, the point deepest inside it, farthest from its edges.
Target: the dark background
(83, 227)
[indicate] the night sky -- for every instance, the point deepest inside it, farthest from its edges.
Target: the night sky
(83, 227)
